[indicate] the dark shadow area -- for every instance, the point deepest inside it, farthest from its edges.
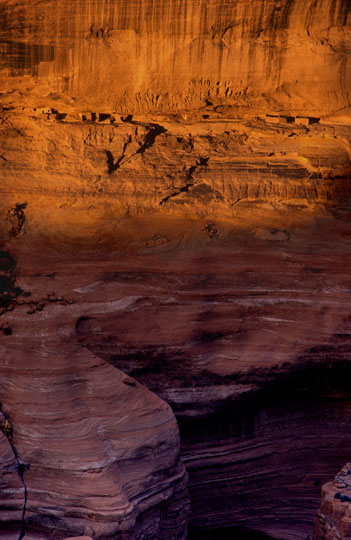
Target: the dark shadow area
(8, 275)
(321, 381)
(23, 57)
(261, 460)
(257, 443)
(227, 533)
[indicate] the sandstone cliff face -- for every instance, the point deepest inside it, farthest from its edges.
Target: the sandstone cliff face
(175, 185)
(12, 490)
(90, 451)
(92, 174)
(248, 339)
(193, 108)
(144, 56)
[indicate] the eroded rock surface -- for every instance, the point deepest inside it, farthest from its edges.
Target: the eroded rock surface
(262, 429)
(88, 172)
(174, 215)
(181, 55)
(333, 520)
(12, 491)
(97, 451)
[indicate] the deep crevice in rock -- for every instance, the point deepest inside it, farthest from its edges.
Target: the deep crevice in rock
(21, 468)
(113, 165)
(201, 162)
(154, 130)
(149, 140)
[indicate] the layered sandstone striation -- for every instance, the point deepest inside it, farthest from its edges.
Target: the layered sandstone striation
(248, 338)
(90, 451)
(191, 108)
(174, 225)
(91, 175)
(246, 335)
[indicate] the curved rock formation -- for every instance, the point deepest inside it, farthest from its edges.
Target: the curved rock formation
(98, 452)
(262, 428)
(12, 491)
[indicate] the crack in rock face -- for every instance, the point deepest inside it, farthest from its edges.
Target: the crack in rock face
(21, 470)
(7, 429)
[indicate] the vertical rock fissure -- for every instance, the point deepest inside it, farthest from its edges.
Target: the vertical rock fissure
(21, 468)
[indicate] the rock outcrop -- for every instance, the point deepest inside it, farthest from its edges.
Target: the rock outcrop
(261, 429)
(12, 490)
(232, 110)
(334, 516)
(97, 452)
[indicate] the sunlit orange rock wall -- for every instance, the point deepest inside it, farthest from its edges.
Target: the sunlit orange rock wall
(147, 55)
